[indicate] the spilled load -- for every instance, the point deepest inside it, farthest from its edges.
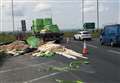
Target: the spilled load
(42, 50)
(44, 54)
(59, 49)
(33, 42)
(14, 48)
(68, 81)
(46, 30)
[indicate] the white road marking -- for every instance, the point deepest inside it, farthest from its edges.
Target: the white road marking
(20, 68)
(118, 49)
(113, 51)
(42, 77)
(93, 46)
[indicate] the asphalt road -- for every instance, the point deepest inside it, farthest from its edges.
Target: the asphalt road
(104, 66)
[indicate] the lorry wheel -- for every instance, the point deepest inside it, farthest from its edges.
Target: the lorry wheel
(101, 42)
(74, 38)
(112, 44)
(80, 39)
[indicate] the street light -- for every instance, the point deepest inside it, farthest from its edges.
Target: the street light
(51, 15)
(13, 15)
(82, 12)
(98, 14)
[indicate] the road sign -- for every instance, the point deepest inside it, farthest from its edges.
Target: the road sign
(23, 23)
(89, 25)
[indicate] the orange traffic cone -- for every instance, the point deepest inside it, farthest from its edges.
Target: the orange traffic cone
(85, 49)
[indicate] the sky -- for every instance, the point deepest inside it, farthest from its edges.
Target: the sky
(66, 13)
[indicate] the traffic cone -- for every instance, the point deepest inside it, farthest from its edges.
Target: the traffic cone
(85, 49)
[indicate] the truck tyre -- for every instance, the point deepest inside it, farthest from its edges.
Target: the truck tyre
(74, 38)
(102, 43)
(112, 44)
(80, 39)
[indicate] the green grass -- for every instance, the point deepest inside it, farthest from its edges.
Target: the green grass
(96, 34)
(69, 34)
(7, 38)
(10, 37)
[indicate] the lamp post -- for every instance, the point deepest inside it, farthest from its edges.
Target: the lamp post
(98, 14)
(82, 13)
(13, 15)
(51, 15)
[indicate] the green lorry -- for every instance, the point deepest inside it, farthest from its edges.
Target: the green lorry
(45, 29)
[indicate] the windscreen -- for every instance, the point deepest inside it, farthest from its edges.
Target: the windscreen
(119, 30)
(85, 32)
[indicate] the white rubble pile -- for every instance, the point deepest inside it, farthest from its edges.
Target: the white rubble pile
(61, 50)
(14, 48)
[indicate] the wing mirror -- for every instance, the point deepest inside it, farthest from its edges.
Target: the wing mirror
(102, 33)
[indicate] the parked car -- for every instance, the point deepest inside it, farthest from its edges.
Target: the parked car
(110, 35)
(83, 35)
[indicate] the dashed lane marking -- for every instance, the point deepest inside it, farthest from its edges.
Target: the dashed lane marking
(93, 46)
(42, 77)
(113, 51)
(20, 68)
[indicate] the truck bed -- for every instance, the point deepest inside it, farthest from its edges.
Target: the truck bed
(50, 36)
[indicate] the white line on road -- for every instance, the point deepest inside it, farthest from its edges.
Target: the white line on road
(93, 46)
(20, 68)
(113, 51)
(42, 77)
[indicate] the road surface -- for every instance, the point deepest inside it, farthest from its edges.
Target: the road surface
(104, 66)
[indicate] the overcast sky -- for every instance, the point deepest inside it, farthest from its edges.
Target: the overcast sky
(65, 13)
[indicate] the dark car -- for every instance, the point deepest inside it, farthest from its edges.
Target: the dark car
(110, 35)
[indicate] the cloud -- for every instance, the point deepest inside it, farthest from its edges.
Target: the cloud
(18, 13)
(108, 1)
(42, 6)
(64, 11)
(89, 2)
(88, 9)
(18, 10)
(4, 2)
(103, 8)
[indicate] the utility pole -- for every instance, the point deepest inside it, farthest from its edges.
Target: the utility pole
(98, 14)
(82, 13)
(13, 15)
(51, 13)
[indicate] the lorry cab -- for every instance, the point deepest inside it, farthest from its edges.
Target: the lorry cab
(110, 35)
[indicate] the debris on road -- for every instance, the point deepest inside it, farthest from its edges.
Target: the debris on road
(14, 48)
(44, 50)
(44, 54)
(74, 65)
(33, 41)
(86, 62)
(61, 50)
(51, 46)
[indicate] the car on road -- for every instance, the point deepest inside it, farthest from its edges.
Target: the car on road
(110, 35)
(83, 35)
